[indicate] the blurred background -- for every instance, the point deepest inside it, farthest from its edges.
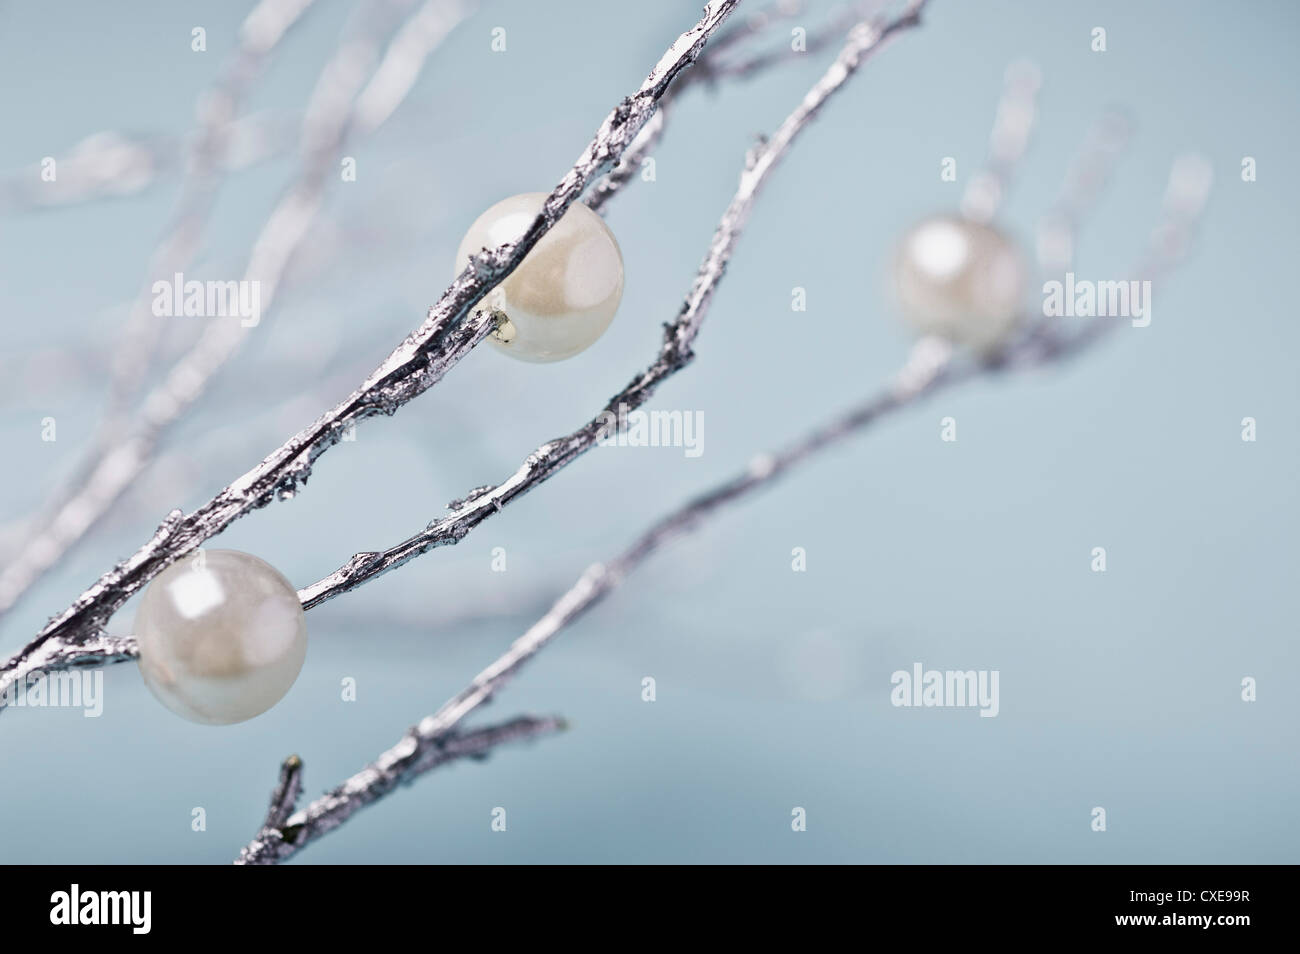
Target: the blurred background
(1119, 689)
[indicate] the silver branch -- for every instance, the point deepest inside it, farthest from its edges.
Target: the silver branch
(929, 368)
(453, 327)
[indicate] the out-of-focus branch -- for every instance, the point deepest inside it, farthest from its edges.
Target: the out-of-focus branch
(1188, 189)
(453, 327)
(342, 102)
(93, 487)
(285, 832)
(112, 163)
(1012, 125)
(1088, 175)
(218, 110)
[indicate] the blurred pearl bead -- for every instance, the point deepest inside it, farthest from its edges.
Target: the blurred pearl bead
(961, 280)
(222, 636)
(564, 293)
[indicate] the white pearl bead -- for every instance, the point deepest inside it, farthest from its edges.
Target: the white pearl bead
(961, 280)
(564, 293)
(222, 636)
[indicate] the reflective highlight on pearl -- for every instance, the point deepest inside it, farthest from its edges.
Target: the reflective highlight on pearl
(564, 293)
(961, 280)
(222, 636)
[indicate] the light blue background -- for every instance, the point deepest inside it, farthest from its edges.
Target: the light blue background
(1118, 689)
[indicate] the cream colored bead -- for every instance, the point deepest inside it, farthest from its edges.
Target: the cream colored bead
(222, 636)
(961, 280)
(564, 293)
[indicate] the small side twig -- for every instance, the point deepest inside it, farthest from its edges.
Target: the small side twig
(286, 832)
(285, 795)
(718, 66)
(713, 66)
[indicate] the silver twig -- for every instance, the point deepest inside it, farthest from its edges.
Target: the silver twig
(285, 832)
(718, 66)
(712, 66)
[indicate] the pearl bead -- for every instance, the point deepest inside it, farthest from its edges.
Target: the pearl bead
(564, 293)
(222, 636)
(961, 280)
